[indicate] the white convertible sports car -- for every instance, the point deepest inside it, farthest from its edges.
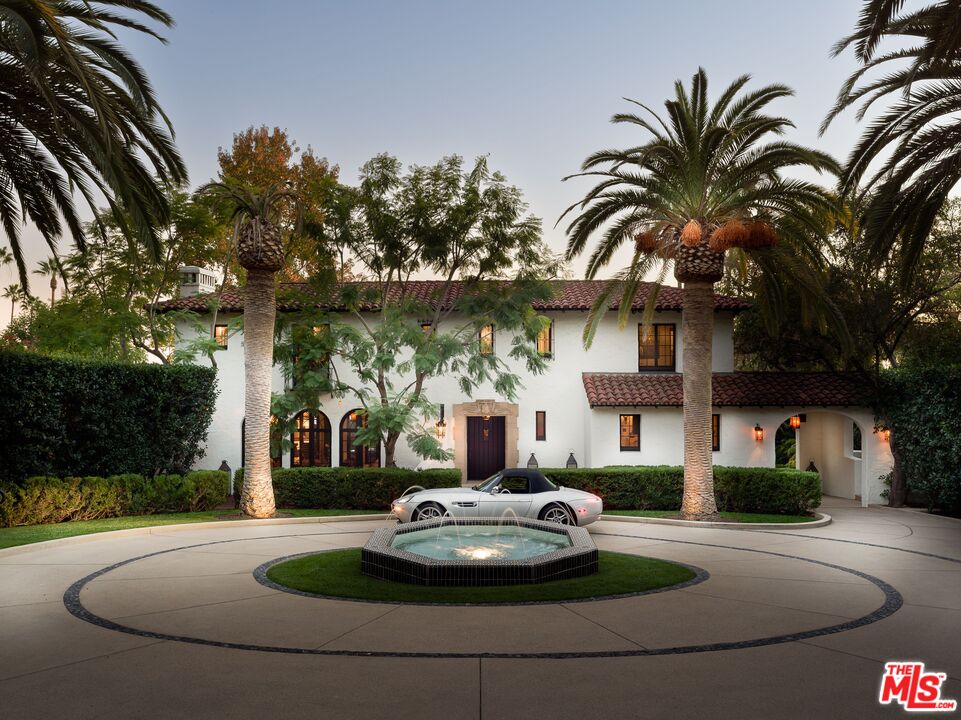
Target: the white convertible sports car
(525, 492)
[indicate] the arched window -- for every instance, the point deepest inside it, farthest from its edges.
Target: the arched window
(274, 453)
(356, 455)
(310, 440)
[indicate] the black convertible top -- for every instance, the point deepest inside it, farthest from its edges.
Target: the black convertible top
(538, 482)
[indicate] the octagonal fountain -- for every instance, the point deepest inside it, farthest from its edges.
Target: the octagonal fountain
(479, 551)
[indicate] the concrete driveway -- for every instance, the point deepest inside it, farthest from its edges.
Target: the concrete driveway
(792, 623)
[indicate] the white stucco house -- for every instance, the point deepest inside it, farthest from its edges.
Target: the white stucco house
(618, 403)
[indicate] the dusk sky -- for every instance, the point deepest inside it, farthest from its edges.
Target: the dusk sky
(531, 84)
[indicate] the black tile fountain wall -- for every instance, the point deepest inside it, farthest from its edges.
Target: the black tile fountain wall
(380, 559)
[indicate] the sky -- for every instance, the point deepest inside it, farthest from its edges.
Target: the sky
(530, 83)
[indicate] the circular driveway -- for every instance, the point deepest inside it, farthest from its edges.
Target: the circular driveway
(174, 623)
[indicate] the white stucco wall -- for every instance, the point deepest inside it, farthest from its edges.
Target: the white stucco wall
(592, 435)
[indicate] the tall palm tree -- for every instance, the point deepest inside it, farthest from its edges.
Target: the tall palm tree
(78, 113)
(50, 267)
(260, 251)
(914, 144)
(704, 187)
(13, 293)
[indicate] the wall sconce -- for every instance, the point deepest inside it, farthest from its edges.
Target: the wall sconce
(795, 421)
(532, 462)
(886, 435)
(571, 462)
(440, 429)
(758, 433)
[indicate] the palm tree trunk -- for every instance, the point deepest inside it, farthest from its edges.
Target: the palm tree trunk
(698, 336)
(257, 497)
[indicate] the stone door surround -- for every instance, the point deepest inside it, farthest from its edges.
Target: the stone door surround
(484, 408)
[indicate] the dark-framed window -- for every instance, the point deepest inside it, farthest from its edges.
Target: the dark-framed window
(220, 335)
(485, 340)
(656, 348)
(310, 440)
(426, 327)
(275, 460)
(630, 426)
(545, 341)
(715, 432)
(352, 455)
(540, 425)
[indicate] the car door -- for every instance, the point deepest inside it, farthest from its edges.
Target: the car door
(511, 494)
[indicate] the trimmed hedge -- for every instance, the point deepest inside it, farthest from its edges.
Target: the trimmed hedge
(41, 500)
(921, 406)
(66, 418)
(737, 489)
(349, 488)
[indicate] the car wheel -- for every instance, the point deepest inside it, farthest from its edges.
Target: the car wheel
(428, 511)
(557, 514)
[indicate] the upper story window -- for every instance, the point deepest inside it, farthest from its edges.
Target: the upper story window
(485, 340)
(715, 432)
(220, 335)
(426, 327)
(655, 347)
(630, 433)
(545, 341)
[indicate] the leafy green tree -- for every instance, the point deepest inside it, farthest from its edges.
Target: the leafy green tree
(907, 157)
(705, 187)
(78, 113)
(109, 312)
(463, 225)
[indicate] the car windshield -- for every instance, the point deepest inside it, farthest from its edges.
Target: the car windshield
(488, 484)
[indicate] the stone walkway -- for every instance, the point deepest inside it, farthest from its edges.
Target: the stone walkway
(789, 623)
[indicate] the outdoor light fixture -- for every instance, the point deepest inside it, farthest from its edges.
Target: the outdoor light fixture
(758, 433)
(571, 462)
(795, 421)
(440, 429)
(886, 435)
(532, 462)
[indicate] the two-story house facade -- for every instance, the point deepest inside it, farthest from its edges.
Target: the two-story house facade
(616, 403)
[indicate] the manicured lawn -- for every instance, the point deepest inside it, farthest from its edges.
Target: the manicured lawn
(725, 516)
(337, 573)
(9, 537)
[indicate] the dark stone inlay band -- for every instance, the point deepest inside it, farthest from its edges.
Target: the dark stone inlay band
(892, 603)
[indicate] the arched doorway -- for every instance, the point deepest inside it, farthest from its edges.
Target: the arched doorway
(831, 442)
(310, 440)
(352, 455)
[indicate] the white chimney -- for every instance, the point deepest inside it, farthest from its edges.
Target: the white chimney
(196, 280)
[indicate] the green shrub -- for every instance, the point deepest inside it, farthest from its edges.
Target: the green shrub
(66, 418)
(659, 487)
(349, 488)
(921, 406)
(41, 500)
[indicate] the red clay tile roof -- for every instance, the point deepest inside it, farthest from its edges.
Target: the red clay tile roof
(568, 295)
(739, 389)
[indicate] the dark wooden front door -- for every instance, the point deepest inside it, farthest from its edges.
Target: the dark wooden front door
(485, 446)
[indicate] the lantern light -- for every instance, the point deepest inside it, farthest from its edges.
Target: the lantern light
(440, 429)
(532, 462)
(795, 421)
(886, 435)
(571, 462)
(758, 433)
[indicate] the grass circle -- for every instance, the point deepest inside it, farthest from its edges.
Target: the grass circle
(336, 573)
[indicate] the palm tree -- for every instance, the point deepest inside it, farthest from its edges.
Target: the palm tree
(77, 112)
(705, 184)
(260, 251)
(50, 267)
(14, 294)
(917, 137)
